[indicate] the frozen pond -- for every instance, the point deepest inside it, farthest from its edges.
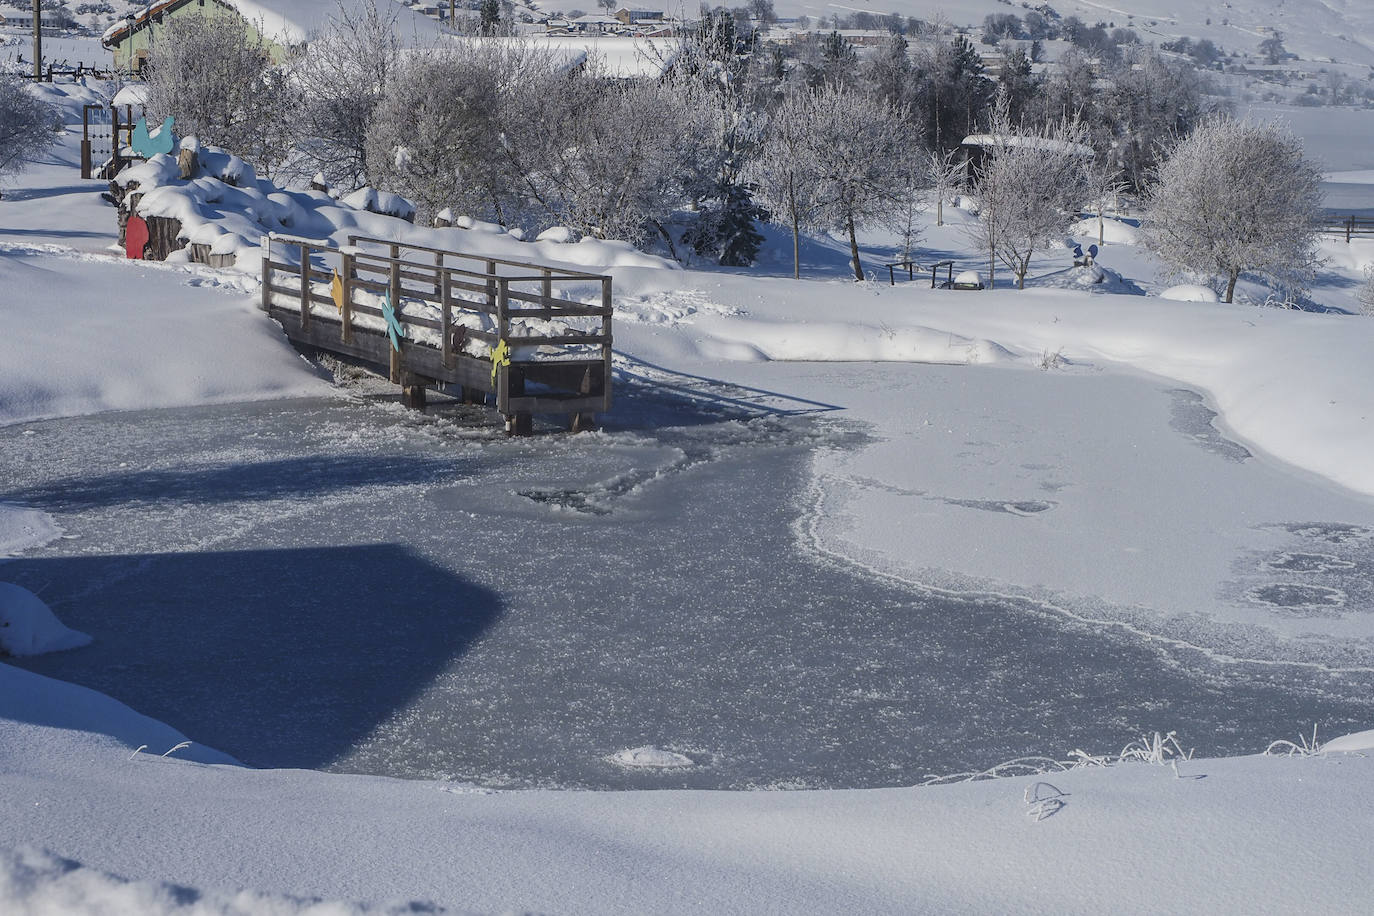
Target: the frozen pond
(343, 585)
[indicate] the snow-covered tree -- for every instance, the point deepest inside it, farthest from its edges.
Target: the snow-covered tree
(1233, 197)
(1366, 294)
(219, 84)
(946, 173)
(434, 136)
(340, 80)
(640, 150)
(835, 160)
(25, 124)
(1028, 188)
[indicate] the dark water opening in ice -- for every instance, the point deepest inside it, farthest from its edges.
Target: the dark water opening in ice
(341, 585)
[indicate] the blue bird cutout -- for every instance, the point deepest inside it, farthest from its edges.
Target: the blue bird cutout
(149, 145)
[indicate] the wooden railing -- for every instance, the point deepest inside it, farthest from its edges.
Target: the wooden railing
(1350, 226)
(486, 323)
(911, 267)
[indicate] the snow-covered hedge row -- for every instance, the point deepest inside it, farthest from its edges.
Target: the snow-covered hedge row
(228, 208)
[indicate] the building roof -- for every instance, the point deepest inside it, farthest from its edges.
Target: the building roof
(295, 21)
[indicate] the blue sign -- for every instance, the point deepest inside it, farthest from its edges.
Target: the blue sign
(149, 145)
(393, 326)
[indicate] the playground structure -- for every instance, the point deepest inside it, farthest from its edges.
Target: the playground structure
(432, 317)
(105, 135)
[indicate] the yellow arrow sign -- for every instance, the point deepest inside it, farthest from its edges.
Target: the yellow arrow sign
(499, 357)
(336, 291)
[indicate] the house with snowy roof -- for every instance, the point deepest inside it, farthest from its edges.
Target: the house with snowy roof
(282, 23)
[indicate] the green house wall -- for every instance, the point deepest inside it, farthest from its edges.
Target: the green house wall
(133, 48)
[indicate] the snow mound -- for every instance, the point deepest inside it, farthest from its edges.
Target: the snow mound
(650, 757)
(560, 234)
(36, 882)
(1189, 292)
(29, 627)
(1114, 231)
(230, 209)
(21, 529)
(1359, 741)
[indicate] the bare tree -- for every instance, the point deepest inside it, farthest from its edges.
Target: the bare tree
(836, 159)
(219, 84)
(946, 173)
(1027, 190)
(340, 79)
(1234, 197)
(25, 124)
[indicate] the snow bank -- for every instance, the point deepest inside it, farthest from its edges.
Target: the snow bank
(50, 712)
(1119, 834)
(34, 881)
(1114, 231)
(29, 627)
(86, 334)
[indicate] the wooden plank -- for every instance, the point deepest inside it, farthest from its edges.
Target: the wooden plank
(545, 404)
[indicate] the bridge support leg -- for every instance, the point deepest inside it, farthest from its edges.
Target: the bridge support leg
(472, 395)
(413, 396)
(581, 422)
(520, 424)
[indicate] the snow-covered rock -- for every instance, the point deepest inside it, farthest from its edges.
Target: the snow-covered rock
(1189, 292)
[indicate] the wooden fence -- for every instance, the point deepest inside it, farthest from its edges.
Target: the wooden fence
(1350, 227)
(434, 316)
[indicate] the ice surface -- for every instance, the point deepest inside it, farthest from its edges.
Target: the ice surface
(414, 596)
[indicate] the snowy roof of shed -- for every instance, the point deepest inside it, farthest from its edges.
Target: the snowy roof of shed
(1005, 140)
(296, 21)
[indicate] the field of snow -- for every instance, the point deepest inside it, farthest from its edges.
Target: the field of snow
(1114, 503)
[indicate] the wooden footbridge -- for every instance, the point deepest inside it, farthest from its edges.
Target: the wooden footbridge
(431, 317)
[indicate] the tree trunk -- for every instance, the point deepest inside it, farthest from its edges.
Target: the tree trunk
(796, 232)
(1231, 284)
(854, 249)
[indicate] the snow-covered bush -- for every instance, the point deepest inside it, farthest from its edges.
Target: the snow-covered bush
(1233, 197)
(25, 124)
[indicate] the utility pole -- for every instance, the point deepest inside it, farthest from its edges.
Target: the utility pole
(37, 39)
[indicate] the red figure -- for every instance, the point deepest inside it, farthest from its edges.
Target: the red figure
(135, 237)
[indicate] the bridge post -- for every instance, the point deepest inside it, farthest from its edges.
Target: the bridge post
(266, 272)
(395, 289)
(346, 312)
(446, 319)
(606, 344)
(305, 285)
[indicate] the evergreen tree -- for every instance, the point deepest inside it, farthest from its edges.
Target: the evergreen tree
(490, 11)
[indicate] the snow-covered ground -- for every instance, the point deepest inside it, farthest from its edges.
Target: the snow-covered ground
(1185, 479)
